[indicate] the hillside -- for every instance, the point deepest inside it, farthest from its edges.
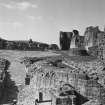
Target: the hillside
(25, 45)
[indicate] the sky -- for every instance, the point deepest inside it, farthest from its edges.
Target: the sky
(42, 20)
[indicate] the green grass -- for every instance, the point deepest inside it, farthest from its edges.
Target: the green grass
(16, 69)
(77, 58)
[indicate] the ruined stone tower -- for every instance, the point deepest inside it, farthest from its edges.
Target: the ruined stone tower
(95, 42)
(65, 40)
(91, 36)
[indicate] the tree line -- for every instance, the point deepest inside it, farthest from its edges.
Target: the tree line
(22, 45)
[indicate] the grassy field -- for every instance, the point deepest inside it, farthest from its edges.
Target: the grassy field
(17, 70)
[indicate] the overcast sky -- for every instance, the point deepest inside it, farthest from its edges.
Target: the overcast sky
(43, 19)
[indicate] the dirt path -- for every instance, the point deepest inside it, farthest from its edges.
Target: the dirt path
(17, 72)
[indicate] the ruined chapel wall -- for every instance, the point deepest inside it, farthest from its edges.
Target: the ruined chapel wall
(91, 36)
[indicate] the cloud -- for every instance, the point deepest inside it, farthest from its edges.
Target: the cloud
(39, 18)
(13, 24)
(35, 17)
(17, 24)
(9, 6)
(19, 5)
(32, 17)
(25, 5)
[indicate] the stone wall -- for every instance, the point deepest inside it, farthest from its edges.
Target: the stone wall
(48, 76)
(95, 41)
(65, 40)
(93, 51)
(88, 88)
(101, 45)
(91, 36)
(4, 64)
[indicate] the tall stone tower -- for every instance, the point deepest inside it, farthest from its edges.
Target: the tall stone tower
(91, 36)
(95, 42)
(101, 45)
(104, 28)
(65, 40)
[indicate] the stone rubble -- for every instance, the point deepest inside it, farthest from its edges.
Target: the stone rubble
(41, 70)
